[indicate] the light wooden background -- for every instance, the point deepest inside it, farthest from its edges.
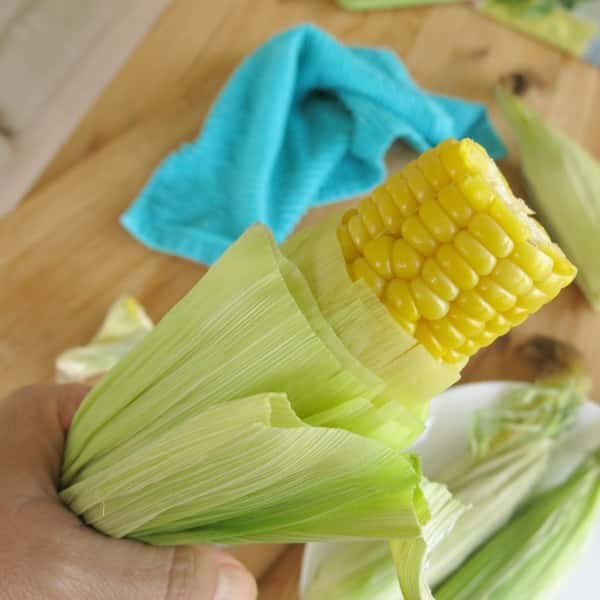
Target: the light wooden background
(56, 56)
(64, 258)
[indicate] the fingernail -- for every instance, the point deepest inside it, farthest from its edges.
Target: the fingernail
(234, 583)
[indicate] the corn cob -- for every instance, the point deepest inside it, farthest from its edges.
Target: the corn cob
(451, 252)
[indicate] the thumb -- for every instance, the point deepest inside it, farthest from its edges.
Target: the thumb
(205, 572)
(133, 571)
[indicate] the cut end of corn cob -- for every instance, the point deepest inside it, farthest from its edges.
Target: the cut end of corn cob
(451, 252)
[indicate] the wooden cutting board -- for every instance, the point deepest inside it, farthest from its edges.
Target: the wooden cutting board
(56, 56)
(64, 258)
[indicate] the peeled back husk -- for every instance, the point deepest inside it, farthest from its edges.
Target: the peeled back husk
(365, 570)
(123, 327)
(510, 446)
(204, 432)
(527, 557)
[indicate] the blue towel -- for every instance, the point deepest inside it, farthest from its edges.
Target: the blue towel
(303, 121)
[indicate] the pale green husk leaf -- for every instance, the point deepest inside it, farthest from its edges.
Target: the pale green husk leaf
(251, 470)
(410, 375)
(245, 416)
(124, 326)
(527, 557)
(366, 570)
(509, 449)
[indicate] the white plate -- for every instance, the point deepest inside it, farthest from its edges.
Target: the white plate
(445, 441)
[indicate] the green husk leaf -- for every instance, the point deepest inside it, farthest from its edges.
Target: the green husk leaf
(411, 556)
(194, 359)
(366, 570)
(124, 326)
(545, 20)
(386, 4)
(565, 183)
(508, 453)
(251, 470)
(207, 430)
(411, 376)
(528, 556)
(510, 447)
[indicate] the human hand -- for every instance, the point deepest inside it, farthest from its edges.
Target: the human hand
(47, 553)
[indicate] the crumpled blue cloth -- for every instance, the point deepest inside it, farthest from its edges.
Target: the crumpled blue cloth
(303, 121)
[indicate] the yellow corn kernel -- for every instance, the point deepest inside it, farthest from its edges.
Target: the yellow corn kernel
(493, 293)
(516, 315)
(476, 158)
(398, 298)
(475, 306)
(552, 284)
(360, 269)
(348, 215)
(491, 235)
(499, 325)
(370, 217)
(409, 326)
(415, 233)
(539, 231)
(452, 156)
(447, 333)
(485, 338)
(403, 198)
(437, 221)
(453, 356)
(388, 211)
(516, 228)
(417, 183)
(429, 304)
(455, 205)
(467, 325)
(455, 264)
(435, 278)
(477, 191)
(511, 277)
(406, 262)
(475, 253)
(358, 232)
(378, 253)
(532, 260)
(348, 248)
(433, 170)
(425, 336)
(562, 266)
(533, 300)
(468, 348)
(456, 267)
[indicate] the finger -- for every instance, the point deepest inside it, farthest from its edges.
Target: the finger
(33, 426)
(129, 570)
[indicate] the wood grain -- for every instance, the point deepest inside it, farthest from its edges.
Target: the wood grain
(57, 56)
(64, 258)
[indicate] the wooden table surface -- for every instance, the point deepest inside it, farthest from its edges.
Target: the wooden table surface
(64, 258)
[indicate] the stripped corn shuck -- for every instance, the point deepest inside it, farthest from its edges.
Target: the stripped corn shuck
(451, 252)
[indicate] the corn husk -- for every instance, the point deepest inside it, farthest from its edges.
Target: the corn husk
(510, 446)
(361, 570)
(410, 376)
(565, 184)
(245, 417)
(125, 324)
(545, 20)
(528, 556)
